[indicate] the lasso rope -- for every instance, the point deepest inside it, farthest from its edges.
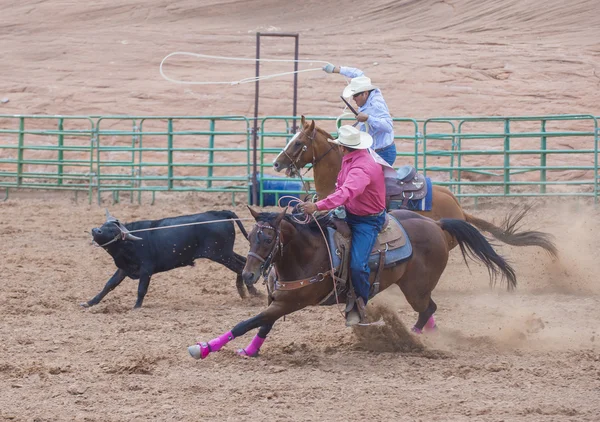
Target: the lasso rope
(241, 81)
(165, 227)
(190, 224)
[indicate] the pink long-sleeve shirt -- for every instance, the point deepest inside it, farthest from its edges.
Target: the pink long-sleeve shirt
(360, 186)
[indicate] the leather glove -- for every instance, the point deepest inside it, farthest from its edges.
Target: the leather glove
(328, 68)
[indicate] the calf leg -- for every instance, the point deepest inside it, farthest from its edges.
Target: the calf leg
(142, 289)
(113, 282)
(241, 261)
(236, 264)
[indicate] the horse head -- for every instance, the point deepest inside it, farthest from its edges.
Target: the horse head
(302, 149)
(265, 243)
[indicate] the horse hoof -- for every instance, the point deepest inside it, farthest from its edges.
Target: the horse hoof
(84, 305)
(416, 330)
(199, 350)
(253, 292)
(242, 353)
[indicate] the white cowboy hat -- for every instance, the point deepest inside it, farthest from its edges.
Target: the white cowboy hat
(358, 85)
(351, 137)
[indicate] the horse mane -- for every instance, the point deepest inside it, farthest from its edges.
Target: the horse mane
(323, 132)
(322, 220)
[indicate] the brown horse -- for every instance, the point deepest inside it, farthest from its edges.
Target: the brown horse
(300, 258)
(310, 145)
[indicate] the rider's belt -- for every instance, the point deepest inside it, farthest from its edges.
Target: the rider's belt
(381, 149)
(371, 215)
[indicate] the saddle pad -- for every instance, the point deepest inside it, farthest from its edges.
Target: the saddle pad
(423, 204)
(394, 236)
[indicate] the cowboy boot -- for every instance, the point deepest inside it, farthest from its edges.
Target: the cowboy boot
(352, 315)
(362, 309)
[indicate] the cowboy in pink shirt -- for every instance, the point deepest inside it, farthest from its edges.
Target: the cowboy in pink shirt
(361, 189)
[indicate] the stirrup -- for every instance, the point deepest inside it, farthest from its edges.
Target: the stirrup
(353, 317)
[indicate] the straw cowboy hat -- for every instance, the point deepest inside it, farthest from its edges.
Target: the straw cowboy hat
(358, 85)
(349, 136)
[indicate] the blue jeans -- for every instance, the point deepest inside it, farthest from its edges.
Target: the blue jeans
(388, 153)
(364, 234)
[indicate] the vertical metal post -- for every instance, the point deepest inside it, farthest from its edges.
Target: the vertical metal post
(60, 151)
(211, 152)
(506, 156)
(294, 128)
(20, 151)
(170, 153)
(596, 133)
(543, 158)
(255, 128)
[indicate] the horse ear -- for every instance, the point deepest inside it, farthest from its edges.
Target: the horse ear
(254, 213)
(303, 121)
(280, 217)
(312, 126)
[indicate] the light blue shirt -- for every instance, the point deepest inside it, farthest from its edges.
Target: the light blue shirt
(381, 126)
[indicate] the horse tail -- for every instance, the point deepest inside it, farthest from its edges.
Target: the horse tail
(507, 232)
(233, 216)
(474, 245)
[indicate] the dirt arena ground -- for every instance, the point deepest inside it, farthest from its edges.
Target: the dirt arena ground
(530, 355)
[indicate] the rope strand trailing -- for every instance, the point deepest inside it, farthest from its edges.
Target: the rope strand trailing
(241, 81)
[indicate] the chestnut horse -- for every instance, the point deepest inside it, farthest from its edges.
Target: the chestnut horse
(310, 145)
(298, 252)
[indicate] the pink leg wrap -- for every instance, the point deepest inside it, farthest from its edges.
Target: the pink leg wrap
(216, 343)
(254, 346)
(430, 325)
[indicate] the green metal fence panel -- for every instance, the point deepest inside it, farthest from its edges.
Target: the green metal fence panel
(151, 154)
(487, 150)
(46, 152)
(474, 156)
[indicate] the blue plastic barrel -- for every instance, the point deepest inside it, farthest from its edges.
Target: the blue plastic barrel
(283, 186)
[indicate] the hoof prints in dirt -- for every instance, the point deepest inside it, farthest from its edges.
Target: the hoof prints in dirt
(144, 365)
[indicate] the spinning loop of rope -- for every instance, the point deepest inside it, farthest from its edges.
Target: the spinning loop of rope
(345, 114)
(241, 81)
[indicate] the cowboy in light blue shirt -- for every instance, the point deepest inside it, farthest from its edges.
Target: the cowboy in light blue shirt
(371, 109)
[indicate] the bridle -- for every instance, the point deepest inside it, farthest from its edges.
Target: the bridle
(294, 160)
(267, 263)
